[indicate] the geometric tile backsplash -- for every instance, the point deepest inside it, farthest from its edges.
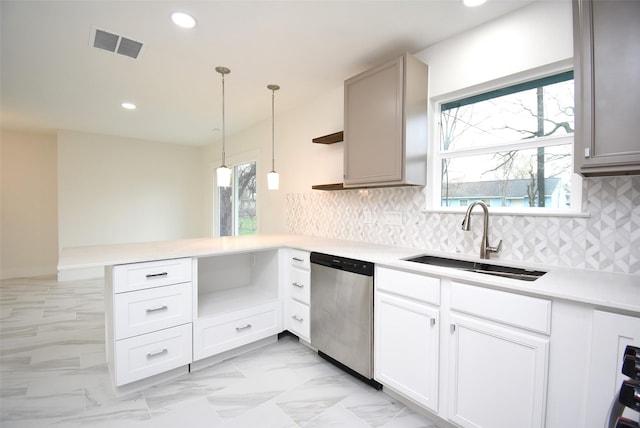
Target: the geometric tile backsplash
(607, 240)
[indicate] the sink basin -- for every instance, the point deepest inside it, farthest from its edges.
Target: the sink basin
(480, 267)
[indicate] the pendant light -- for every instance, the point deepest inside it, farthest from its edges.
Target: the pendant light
(273, 179)
(223, 173)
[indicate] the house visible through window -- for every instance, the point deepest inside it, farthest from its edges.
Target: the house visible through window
(237, 203)
(511, 147)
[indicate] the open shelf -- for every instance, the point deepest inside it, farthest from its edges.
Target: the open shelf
(329, 139)
(231, 282)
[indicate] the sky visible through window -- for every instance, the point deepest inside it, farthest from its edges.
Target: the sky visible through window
(509, 148)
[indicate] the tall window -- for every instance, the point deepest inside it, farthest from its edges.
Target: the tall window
(511, 147)
(237, 203)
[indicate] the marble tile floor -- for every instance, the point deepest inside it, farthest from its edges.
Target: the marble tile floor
(53, 374)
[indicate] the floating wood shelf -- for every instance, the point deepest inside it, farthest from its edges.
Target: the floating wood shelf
(340, 186)
(334, 186)
(329, 139)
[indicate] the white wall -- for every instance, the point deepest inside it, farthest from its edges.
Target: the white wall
(117, 190)
(28, 220)
(532, 37)
(299, 162)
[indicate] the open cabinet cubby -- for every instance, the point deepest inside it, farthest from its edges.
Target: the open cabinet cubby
(233, 282)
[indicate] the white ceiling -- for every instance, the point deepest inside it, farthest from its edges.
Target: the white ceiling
(53, 78)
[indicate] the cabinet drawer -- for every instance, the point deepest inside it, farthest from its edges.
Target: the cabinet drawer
(147, 355)
(137, 276)
(300, 259)
(521, 311)
(144, 311)
(299, 321)
(299, 288)
(415, 286)
(217, 334)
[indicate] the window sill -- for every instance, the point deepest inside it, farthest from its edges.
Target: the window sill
(503, 211)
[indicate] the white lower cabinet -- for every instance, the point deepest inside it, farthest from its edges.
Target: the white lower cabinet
(213, 335)
(148, 319)
(406, 348)
(474, 356)
(298, 289)
(143, 356)
(238, 301)
(497, 375)
(406, 334)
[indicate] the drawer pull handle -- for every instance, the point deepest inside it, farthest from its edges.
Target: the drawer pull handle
(453, 328)
(298, 259)
(297, 318)
(155, 275)
(158, 309)
(243, 328)
(433, 322)
(295, 284)
(151, 355)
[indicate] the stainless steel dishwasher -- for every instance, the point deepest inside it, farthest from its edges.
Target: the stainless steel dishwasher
(342, 313)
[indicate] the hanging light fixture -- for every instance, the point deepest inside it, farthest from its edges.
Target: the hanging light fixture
(223, 173)
(273, 179)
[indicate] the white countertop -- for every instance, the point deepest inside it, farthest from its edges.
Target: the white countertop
(607, 290)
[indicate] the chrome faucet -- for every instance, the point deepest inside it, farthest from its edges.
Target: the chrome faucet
(485, 249)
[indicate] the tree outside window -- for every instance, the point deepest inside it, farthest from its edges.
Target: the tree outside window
(511, 147)
(237, 203)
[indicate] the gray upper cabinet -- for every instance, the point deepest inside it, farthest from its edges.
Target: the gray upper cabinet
(385, 130)
(607, 79)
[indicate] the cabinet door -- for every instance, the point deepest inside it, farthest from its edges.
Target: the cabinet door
(607, 76)
(610, 335)
(373, 125)
(497, 376)
(406, 348)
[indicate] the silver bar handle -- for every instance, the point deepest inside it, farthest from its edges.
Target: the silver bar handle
(151, 355)
(158, 309)
(453, 328)
(155, 275)
(298, 259)
(295, 284)
(433, 322)
(243, 328)
(297, 318)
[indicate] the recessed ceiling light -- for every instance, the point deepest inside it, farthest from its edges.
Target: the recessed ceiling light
(128, 106)
(473, 3)
(183, 20)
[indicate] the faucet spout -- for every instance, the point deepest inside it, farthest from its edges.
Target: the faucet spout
(485, 248)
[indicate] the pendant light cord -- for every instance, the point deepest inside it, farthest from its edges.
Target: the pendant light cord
(273, 89)
(273, 133)
(223, 130)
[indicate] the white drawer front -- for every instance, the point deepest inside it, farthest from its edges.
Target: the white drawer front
(299, 288)
(214, 335)
(521, 311)
(299, 320)
(300, 259)
(144, 311)
(407, 284)
(137, 276)
(147, 355)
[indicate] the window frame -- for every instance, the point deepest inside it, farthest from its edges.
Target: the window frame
(526, 80)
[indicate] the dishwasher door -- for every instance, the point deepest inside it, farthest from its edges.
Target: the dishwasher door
(342, 317)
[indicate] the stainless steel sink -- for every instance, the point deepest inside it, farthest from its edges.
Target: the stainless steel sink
(479, 267)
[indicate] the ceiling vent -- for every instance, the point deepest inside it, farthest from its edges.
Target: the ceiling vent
(115, 43)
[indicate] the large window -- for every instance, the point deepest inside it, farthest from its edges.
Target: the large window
(237, 203)
(511, 147)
